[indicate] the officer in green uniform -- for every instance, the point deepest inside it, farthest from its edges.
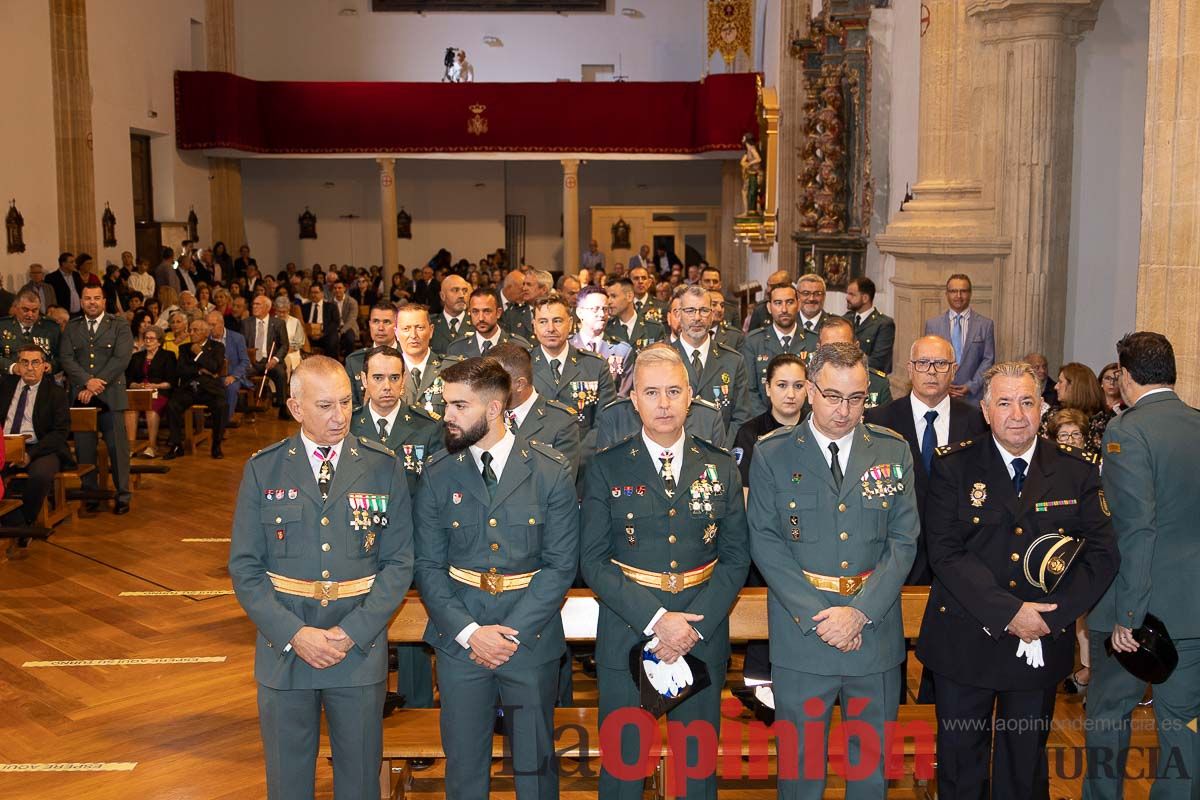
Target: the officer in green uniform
(576, 378)
(763, 344)
(715, 373)
(497, 527)
(484, 332)
(644, 301)
(321, 558)
(28, 326)
(381, 326)
(875, 331)
(811, 289)
(423, 367)
(835, 329)
(619, 420)
(834, 525)
(625, 323)
(530, 415)
(665, 550)
(451, 323)
(412, 434)
(723, 331)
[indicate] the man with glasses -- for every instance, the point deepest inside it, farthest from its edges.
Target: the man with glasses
(972, 336)
(833, 530)
(835, 329)
(27, 326)
(811, 291)
(715, 372)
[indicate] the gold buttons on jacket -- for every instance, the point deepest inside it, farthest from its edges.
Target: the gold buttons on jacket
(884, 504)
(845, 564)
(324, 603)
(325, 547)
(1015, 557)
(629, 515)
(674, 564)
(495, 547)
(792, 504)
(532, 521)
(325, 574)
(454, 524)
(278, 519)
(672, 539)
(843, 536)
(942, 610)
(975, 520)
(1018, 531)
(492, 522)
(324, 521)
(842, 507)
(1012, 584)
(671, 513)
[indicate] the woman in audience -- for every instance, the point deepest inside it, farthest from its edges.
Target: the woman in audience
(1077, 387)
(221, 256)
(177, 336)
(152, 367)
(786, 395)
(142, 319)
(168, 301)
(222, 301)
(1109, 384)
(116, 293)
(397, 293)
(204, 298)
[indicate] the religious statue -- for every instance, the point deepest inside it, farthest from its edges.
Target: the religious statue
(620, 235)
(193, 225)
(14, 225)
(457, 68)
(403, 224)
(308, 224)
(108, 223)
(751, 174)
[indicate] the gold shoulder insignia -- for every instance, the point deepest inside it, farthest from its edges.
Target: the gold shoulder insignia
(709, 404)
(624, 441)
(1081, 454)
(784, 431)
(268, 448)
(954, 447)
(878, 372)
(546, 450)
(378, 447)
(883, 430)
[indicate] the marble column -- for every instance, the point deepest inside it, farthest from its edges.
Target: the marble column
(1169, 260)
(225, 174)
(570, 216)
(75, 167)
(387, 217)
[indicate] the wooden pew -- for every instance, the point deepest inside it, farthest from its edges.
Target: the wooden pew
(415, 733)
(58, 509)
(195, 433)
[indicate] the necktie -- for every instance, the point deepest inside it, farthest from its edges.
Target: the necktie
(24, 331)
(1018, 465)
(510, 419)
(787, 342)
(808, 326)
(956, 339)
(260, 339)
(91, 327)
(592, 345)
(383, 431)
(556, 369)
(639, 306)
(315, 308)
(668, 475)
(489, 476)
(929, 440)
(415, 377)
(487, 345)
(835, 466)
(41, 290)
(19, 416)
(453, 327)
(857, 320)
(696, 365)
(325, 473)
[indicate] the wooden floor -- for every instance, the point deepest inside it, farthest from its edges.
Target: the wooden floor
(189, 730)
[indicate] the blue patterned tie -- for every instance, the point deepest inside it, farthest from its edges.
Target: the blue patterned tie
(956, 338)
(929, 441)
(1018, 465)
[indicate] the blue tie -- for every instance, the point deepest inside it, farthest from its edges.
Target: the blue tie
(956, 337)
(19, 414)
(1018, 465)
(929, 441)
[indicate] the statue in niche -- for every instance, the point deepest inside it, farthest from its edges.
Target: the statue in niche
(751, 175)
(14, 225)
(108, 224)
(308, 224)
(620, 235)
(403, 224)
(193, 225)
(457, 70)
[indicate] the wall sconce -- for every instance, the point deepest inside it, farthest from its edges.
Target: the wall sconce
(493, 41)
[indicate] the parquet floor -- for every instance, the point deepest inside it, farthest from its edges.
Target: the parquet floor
(189, 730)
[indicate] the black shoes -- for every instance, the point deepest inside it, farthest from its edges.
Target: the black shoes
(217, 454)
(173, 452)
(121, 507)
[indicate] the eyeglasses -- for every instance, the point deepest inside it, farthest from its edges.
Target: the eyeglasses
(925, 364)
(1112, 378)
(1069, 438)
(817, 293)
(695, 312)
(833, 398)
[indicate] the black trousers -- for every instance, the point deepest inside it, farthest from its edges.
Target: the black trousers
(1013, 743)
(181, 402)
(35, 487)
(277, 375)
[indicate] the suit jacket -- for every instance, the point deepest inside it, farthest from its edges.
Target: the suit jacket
(347, 310)
(162, 368)
(282, 531)
(58, 282)
(330, 324)
(966, 422)
(428, 394)
(237, 360)
(199, 372)
(978, 531)
(104, 355)
(51, 417)
(518, 319)
(876, 335)
(1151, 456)
(277, 338)
(978, 353)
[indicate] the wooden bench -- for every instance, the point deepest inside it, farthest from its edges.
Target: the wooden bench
(195, 433)
(415, 733)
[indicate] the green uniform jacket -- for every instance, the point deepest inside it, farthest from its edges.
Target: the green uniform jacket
(628, 516)
(619, 420)
(414, 436)
(724, 382)
(761, 345)
(429, 392)
(799, 521)
(297, 535)
(645, 332)
(1151, 458)
(467, 346)
(44, 333)
(517, 319)
(552, 423)
(879, 388)
(733, 338)
(532, 523)
(104, 356)
(876, 336)
(585, 384)
(354, 365)
(440, 339)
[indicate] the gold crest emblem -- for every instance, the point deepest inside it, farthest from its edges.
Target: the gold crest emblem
(978, 495)
(710, 533)
(1056, 566)
(369, 540)
(477, 125)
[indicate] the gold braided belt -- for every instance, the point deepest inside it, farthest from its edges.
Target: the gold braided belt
(673, 582)
(491, 581)
(841, 584)
(322, 590)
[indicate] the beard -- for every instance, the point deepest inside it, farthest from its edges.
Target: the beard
(461, 441)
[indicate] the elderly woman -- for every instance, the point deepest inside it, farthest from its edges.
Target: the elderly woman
(1078, 388)
(152, 367)
(204, 298)
(177, 336)
(1110, 384)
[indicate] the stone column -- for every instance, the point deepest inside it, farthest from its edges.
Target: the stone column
(76, 175)
(387, 217)
(225, 184)
(570, 216)
(1169, 260)
(795, 16)
(733, 255)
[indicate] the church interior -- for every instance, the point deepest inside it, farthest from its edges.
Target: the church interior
(1047, 149)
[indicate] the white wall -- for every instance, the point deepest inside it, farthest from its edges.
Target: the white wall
(1110, 108)
(27, 170)
(307, 40)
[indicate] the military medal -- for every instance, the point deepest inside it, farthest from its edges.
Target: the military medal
(629, 491)
(616, 492)
(279, 494)
(358, 517)
(408, 457)
(279, 534)
(629, 535)
(725, 378)
(640, 491)
(796, 476)
(795, 534)
(368, 541)
(710, 533)
(293, 494)
(456, 498)
(978, 495)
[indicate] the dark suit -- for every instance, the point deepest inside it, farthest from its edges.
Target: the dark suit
(276, 344)
(978, 530)
(58, 282)
(330, 323)
(51, 419)
(198, 380)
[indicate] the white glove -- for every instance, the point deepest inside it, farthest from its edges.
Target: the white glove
(1035, 650)
(1022, 649)
(681, 675)
(765, 695)
(658, 674)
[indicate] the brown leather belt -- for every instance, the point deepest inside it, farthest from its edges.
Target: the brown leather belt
(321, 590)
(840, 584)
(673, 582)
(491, 581)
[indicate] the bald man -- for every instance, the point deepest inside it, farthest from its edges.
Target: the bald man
(452, 322)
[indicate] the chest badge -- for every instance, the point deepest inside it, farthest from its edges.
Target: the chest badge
(710, 533)
(369, 541)
(978, 495)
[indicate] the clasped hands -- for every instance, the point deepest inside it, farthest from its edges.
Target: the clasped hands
(675, 634)
(841, 627)
(93, 387)
(492, 645)
(321, 647)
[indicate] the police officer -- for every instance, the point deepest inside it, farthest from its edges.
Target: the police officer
(625, 322)
(715, 372)
(381, 327)
(834, 527)
(991, 502)
(423, 367)
(781, 336)
(835, 329)
(485, 332)
(27, 326)
(517, 316)
(874, 330)
(497, 526)
(96, 349)
(664, 549)
(644, 301)
(321, 558)
(530, 415)
(576, 378)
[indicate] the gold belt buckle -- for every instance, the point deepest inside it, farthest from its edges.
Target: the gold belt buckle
(491, 582)
(849, 584)
(671, 582)
(325, 590)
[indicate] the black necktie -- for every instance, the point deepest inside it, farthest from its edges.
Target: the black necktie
(1018, 465)
(19, 416)
(808, 326)
(91, 327)
(489, 476)
(487, 345)
(929, 440)
(696, 365)
(835, 466)
(453, 327)
(668, 475)
(556, 369)
(857, 320)
(383, 429)
(787, 342)
(639, 306)
(325, 473)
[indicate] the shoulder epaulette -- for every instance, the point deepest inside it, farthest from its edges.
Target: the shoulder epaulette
(723, 346)
(618, 401)
(709, 404)
(547, 450)
(268, 448)
(421, 411)
(378, 447)
(590, 354)
(716, 447)
(561, 406)
(883, 430)
(1081, 454)
(436, 457)
(878, 372)
(624, 441)
(954, 447)
(778, 432)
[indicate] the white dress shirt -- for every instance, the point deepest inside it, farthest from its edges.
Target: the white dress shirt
(803, 320)
(941, 425)
(844, 444)
(966, 324)
(1008, 457)
(522, 411)
(480, 338)
(561, 358)
(703, 349)
(781, 333)
(26, 422)
(314, 459)
(460, 319)
(391, 418)
(422, 365)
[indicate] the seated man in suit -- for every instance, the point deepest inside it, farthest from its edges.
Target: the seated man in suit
(198, 376)
(972, 336)
(37, 408)
(321, 320)
(237, 363)
(269, 338)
